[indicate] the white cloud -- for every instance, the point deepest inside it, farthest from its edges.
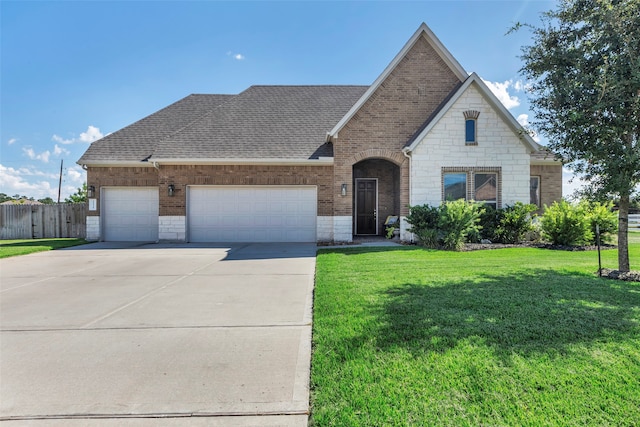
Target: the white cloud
(500, 90)
(523, 119)
(91, 134)
(76, 175)
(570, 182)
(12, 181)
(44, 156)
(236, 56)
(12, 141)
(57, 150)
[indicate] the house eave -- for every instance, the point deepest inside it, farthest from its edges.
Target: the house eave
(322, 161)
(115, 163)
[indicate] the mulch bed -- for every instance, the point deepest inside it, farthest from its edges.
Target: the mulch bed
(628, 276)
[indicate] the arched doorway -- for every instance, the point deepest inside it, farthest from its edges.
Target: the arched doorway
(376, 184)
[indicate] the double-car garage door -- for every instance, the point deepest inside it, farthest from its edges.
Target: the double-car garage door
(251, 214)
(216, 214)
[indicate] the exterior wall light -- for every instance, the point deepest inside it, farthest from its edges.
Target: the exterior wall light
(91, 191)
(343, 190)
(171, 190)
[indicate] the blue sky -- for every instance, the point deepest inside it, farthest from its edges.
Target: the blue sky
(73, 71)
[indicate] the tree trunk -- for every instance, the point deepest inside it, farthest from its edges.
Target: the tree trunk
(623, 233)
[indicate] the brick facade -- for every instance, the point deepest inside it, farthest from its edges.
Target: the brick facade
(389, 118)
(550, 183)
(119, 177)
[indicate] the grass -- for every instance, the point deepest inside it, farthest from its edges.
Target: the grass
(523, 336)
(9, 248)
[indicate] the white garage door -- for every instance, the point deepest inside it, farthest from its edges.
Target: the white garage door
(252, 214)
(130, 214)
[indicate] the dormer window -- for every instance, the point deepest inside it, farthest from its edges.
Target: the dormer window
(470, 127)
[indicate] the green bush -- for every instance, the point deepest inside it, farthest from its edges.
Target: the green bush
(458, 219)
(424, 224)
(447, 226)
(489, 221)
(566, 224)
(603, 215)
(514, 223)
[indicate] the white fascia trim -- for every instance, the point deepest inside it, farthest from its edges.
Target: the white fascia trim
(549, 161)
(493, 101)
(118, 163)
(322, 161)
(437, 45)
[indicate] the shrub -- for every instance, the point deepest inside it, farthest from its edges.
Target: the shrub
(514, 223)
(424, 224)
(603, 215)
(566, 224)
(458, 219)
(448, 225)
(489, 221)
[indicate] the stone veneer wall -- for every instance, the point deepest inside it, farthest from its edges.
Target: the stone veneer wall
(497, 148)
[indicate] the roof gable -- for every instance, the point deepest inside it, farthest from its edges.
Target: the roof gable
(434, 42)
(493, 101)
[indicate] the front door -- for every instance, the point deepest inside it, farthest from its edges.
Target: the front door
(367, 206)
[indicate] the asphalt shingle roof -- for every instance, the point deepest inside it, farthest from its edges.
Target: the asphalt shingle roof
(277, 122)
(138, 141)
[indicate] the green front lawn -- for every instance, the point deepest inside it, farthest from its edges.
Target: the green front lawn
(26, 246)
(527, 337)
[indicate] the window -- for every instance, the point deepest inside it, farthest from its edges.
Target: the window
(478, 185)
(534, 190)
(470, 131)
(486, 188)
(470, 127)
(455, 186)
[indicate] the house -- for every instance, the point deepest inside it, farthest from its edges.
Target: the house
(315, 163)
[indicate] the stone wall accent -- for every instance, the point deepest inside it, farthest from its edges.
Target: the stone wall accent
(499, 148)
(550, 183)
(172, 228)
(93, 227)
(343, 228)
(325, 229)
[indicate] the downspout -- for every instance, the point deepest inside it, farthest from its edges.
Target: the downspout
(406, 152)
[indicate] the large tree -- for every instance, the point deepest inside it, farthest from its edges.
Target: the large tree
(79, 196)
(584, 73)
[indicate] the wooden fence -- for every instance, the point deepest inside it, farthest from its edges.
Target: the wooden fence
(634, 222)
(43, 221)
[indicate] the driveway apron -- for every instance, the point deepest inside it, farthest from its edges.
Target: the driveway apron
(181, 334)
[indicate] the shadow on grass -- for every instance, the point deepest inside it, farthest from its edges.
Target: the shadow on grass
(544, 311)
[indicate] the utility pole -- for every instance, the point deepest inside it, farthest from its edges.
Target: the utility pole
(60, 181)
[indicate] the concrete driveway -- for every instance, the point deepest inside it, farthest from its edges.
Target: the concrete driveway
(158, 334)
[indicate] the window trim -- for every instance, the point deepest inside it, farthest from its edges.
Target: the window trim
(470, 183)
(473, 141)
(539, 192)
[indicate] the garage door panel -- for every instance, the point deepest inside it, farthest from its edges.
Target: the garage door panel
(252, 214)
(130, 214)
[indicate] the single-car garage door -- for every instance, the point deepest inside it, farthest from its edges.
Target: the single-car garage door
(130, 214)
(252, 213)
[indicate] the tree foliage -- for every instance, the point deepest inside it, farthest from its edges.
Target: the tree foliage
(79, 196)
(584, 74)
